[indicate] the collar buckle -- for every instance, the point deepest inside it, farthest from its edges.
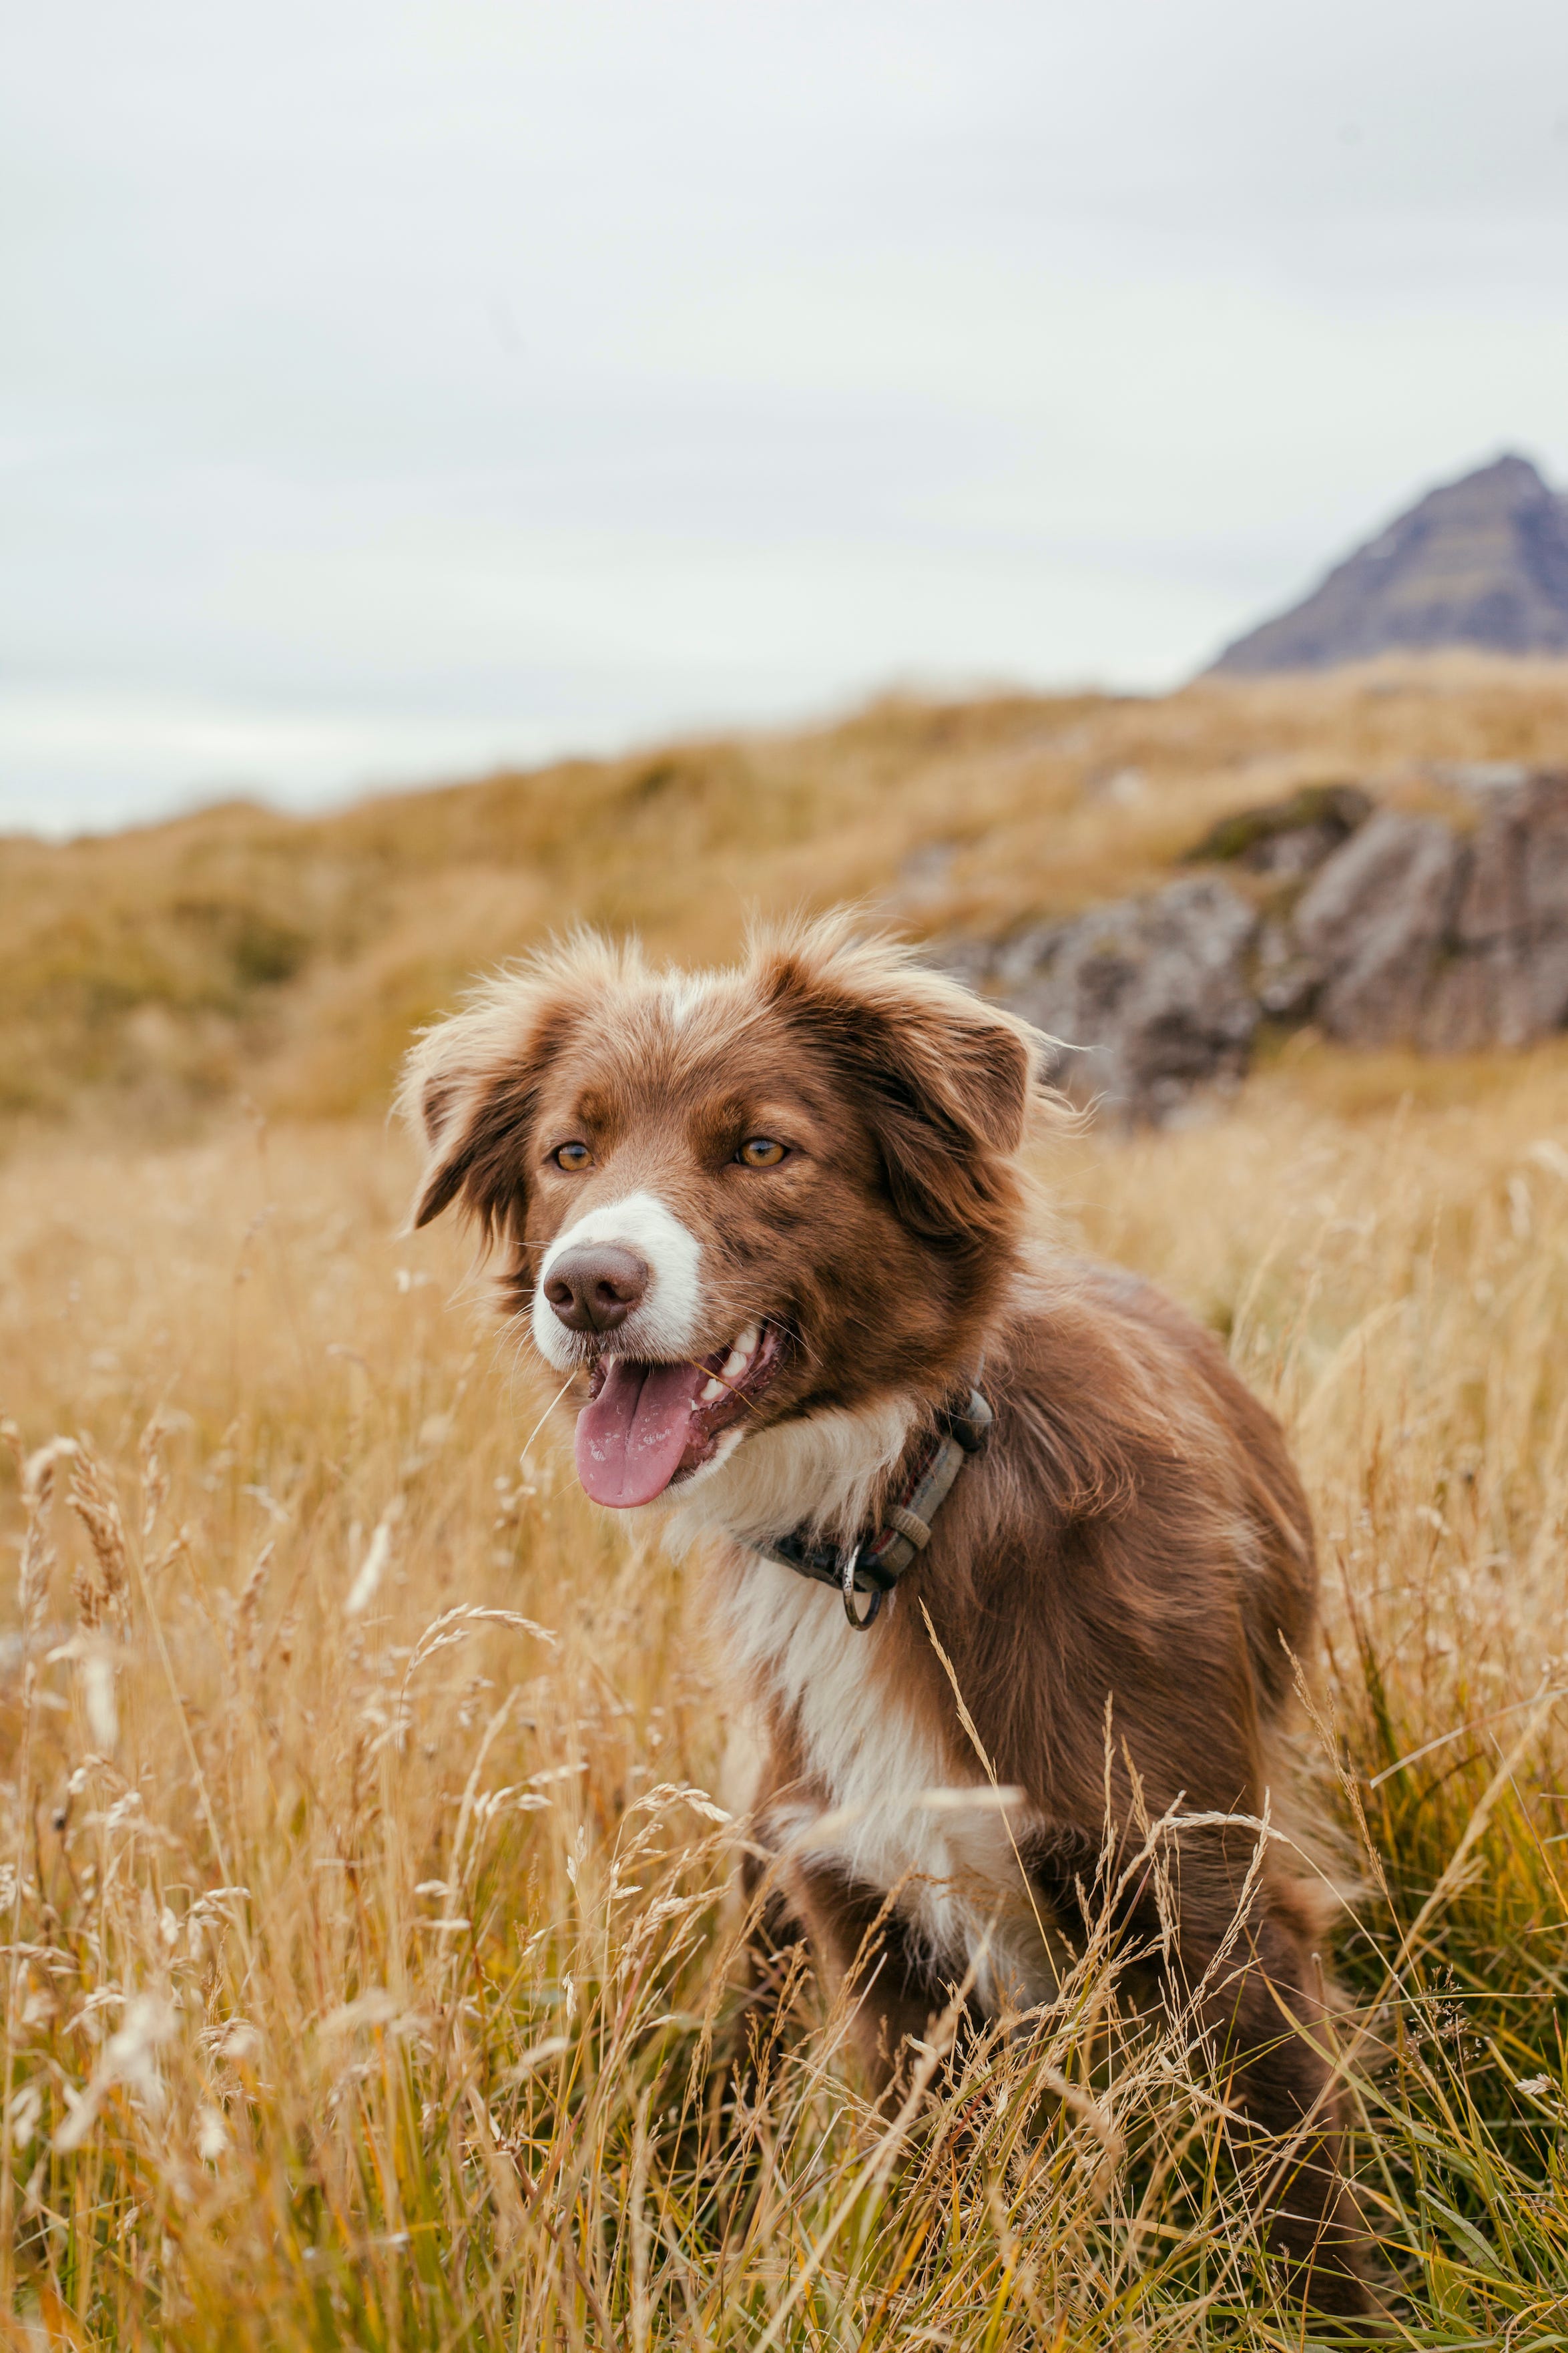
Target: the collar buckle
(846, 1587)
(873, 1565)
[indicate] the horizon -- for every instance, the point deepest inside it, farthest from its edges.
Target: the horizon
(391, 400)
(1457, 668)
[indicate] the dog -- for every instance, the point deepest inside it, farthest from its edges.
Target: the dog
(771, 1225)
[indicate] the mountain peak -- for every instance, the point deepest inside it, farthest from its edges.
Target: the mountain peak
(1508, 470)
(1481, 562)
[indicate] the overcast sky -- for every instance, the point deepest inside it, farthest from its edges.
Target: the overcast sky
(385, 390)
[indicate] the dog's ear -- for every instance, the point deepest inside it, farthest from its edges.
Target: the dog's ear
(471, 1089)
(475, 1124)
(944, 1080)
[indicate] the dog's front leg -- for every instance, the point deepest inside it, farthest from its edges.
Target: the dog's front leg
(871, 1963)
(863, 1951)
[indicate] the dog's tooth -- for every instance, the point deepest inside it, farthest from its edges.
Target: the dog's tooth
(711, 1389)
(741, 1354)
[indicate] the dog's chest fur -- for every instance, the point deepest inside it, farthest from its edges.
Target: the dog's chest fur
(885, 1814)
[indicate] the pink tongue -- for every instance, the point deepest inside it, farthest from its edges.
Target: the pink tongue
(631, 1438)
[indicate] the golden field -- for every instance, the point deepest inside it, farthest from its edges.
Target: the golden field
(371, 1968)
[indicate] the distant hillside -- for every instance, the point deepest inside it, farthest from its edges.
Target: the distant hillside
(239, 953)
(1482, 561)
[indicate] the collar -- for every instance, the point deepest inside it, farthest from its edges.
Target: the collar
(874, 1563)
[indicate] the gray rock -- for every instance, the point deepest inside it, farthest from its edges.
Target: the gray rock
(1287, 838)
(1480, 778)
(1476, 1001)
(1455, 945)
(1409, 933)
(1544, 808)
(1286, 981)
(1492, 905)
(1151, 992)
(1289, 856)
(1547, 986)
(1372, 922)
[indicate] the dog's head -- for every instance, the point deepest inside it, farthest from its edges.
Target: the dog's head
(733, 1198)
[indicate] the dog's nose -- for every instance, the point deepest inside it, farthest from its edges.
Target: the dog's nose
(595, 1286)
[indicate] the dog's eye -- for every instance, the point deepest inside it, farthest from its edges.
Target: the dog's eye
(573, 1157)
(761, 1152)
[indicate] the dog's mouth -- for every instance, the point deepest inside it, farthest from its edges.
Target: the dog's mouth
(645, 1425)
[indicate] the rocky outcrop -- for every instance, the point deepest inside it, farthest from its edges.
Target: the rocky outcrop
(1414, 934)
(1289, 836)
(1410, 931)
(1481, 562)
(1372, 922)
(1147, 998)
(1507, 980)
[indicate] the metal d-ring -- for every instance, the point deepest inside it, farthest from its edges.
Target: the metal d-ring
(846, 1587)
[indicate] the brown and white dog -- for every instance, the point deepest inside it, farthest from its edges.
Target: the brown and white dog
(771, 1221)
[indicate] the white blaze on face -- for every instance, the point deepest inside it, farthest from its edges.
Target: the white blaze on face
(664, 1326)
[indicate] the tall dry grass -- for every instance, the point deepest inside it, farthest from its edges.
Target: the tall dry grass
(369, 1959)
